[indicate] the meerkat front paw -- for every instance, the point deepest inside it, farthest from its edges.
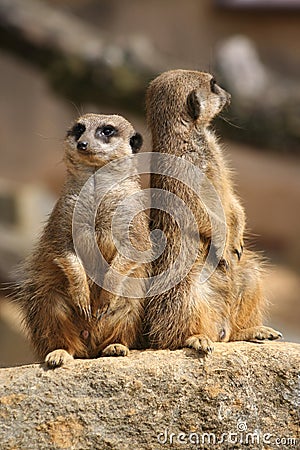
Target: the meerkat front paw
(58, 358)
(115, 350)
(266, 333)
(200, 343)
(261, 333)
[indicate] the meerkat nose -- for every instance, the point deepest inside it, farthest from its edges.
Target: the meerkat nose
(82, 145)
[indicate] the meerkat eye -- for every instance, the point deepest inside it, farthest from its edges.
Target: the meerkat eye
(107, 131)
(77, 130)
(213, 84)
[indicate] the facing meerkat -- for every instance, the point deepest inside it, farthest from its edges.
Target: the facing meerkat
(229, 305)
(66, 313)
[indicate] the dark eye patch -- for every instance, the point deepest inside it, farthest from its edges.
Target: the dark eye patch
(77, 130)
(213, 84)
(136, 142)
(106, 131)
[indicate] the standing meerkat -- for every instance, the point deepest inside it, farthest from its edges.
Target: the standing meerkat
(66, 313)
(229, 305)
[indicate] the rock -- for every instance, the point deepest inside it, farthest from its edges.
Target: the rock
(244, 393)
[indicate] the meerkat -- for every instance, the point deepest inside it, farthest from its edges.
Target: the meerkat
(229, 305)
(66, 312)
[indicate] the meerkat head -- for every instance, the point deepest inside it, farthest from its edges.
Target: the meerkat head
(96, 139)
(184, 97)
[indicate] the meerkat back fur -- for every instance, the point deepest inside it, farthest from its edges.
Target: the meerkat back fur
(230, 304)
(66, 313)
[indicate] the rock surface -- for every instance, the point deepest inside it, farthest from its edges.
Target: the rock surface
(244, 395)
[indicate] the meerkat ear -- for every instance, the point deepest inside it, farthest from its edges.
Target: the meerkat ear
(136, 141)
(193, 105)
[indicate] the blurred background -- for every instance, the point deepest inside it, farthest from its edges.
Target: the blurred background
(62, 58)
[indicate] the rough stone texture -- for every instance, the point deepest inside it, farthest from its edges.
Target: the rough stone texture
(250, 390)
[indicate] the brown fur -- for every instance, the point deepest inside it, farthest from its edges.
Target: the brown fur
(230, 304)
(66, 313)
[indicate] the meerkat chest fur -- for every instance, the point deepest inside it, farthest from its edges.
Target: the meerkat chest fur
(112, 219)
(203, 151)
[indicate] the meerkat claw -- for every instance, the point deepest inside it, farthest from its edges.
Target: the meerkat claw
(85, 311)
(239, 252)
(102, 312)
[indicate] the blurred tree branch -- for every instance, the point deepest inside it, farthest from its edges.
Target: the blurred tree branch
(265, 104)
(86, 66)
(80, 62)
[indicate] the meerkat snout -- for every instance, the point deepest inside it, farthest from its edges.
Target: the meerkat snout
(82, 145)
(206, 100)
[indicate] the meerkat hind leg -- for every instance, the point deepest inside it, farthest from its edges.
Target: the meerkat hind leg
(200, 343)
(116, 350)
(259, 333)
(58, 358)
